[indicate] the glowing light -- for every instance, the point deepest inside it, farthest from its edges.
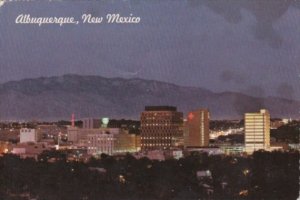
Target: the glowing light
(122, 179)
(105, 121)
(246, 172)
(243, 193)
(191, 116)
(1, 3)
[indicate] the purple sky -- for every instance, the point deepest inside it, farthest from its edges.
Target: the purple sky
(249, 46)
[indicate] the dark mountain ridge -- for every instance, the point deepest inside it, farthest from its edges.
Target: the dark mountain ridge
(55, 98)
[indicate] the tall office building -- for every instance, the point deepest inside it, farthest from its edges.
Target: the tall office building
(161, 128)
(257, 131)
(197, 128)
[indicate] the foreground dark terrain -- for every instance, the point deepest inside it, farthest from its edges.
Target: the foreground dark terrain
(263, 176)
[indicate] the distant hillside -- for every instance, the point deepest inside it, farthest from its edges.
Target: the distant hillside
(56, 98)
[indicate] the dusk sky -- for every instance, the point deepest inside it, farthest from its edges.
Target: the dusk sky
(249, 46)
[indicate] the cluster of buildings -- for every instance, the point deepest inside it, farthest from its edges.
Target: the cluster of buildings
(33, 141)
(30, 144)
(97, 138)
(163, 131)
(164, 128)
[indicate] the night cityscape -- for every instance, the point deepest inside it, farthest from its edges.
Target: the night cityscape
(165, 155)
(150, 100)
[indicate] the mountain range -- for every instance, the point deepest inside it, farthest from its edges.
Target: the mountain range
(56, 98)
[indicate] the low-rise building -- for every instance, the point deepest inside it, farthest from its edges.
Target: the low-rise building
(28, 135)
(294, 146)
(91, 123)
(73, 134)
(112, 141)
(229, 149)
(29, 149)
(208, 150)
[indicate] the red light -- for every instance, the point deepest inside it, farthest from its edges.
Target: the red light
(191, 116)
(73, 120)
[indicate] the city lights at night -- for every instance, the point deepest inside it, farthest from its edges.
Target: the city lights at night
(149, 100)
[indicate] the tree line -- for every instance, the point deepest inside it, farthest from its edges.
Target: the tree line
(264, 175)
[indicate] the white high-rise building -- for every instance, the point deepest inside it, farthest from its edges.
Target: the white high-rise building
(257, 131)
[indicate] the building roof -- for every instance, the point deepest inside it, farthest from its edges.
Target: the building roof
(160, 108)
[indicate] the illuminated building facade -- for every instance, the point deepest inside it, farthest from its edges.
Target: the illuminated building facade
(112, 141)
(257, 131)
(28, 135)
(161, 128)
(230, 149)
(79, 135)
(99, 143)
(197, 128)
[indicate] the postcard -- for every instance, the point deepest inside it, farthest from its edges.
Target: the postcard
(149, 99)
